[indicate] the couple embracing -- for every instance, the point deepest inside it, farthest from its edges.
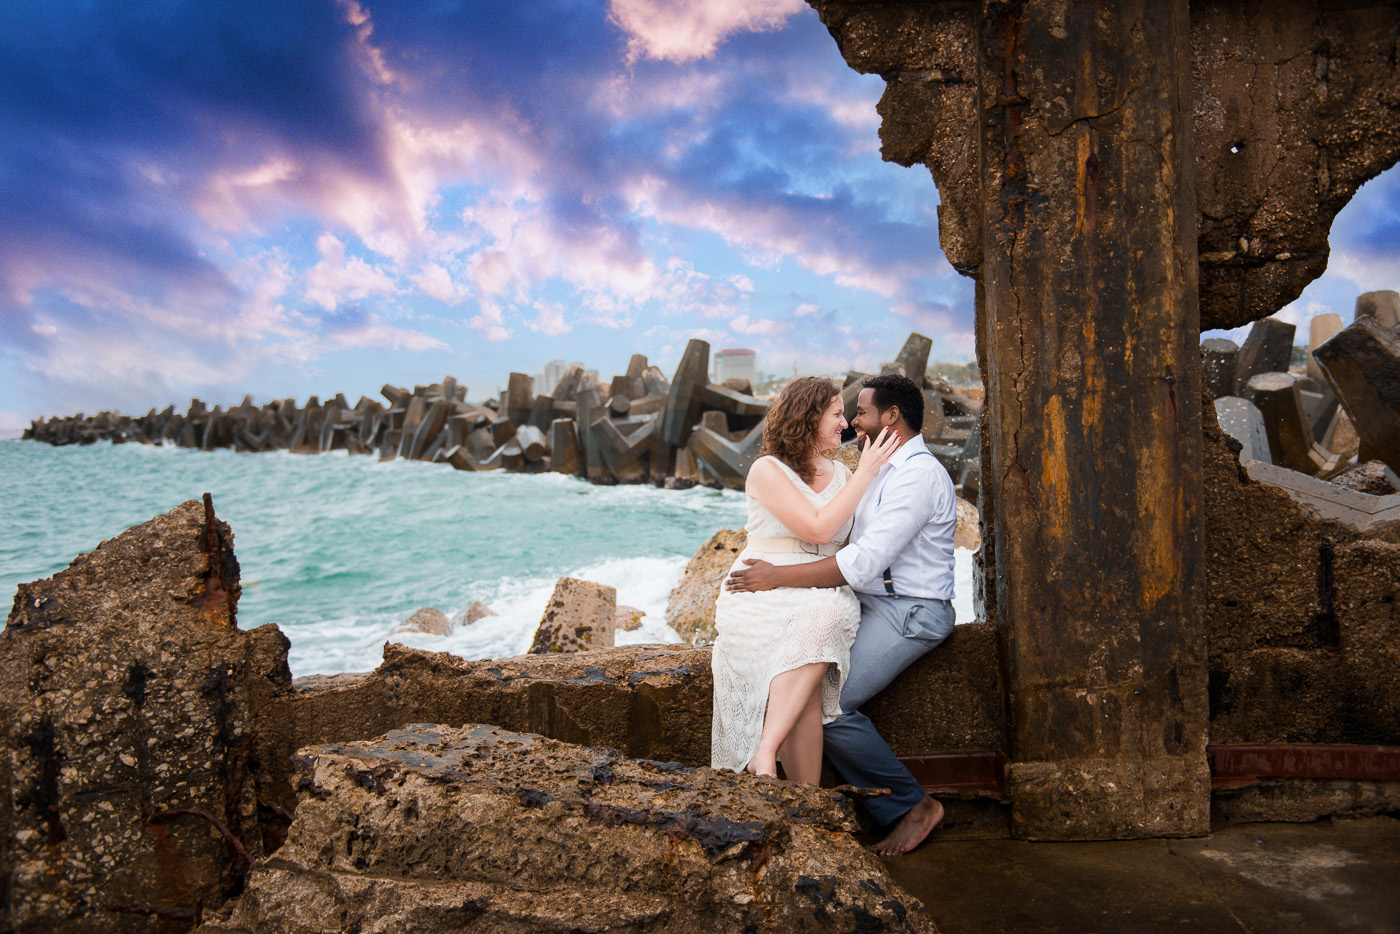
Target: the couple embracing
(847, 578)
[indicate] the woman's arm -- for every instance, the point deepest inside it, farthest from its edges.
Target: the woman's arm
(775, 492)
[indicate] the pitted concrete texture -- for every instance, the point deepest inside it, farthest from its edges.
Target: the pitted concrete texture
(1260, 878)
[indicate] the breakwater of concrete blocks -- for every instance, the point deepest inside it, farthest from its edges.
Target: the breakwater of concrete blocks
(1339, 419)
(639, 428)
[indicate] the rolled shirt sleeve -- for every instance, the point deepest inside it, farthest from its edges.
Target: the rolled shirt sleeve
(906, 504)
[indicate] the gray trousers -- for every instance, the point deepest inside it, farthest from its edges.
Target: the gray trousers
(894, 632)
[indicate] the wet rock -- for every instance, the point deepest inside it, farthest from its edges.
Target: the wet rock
(138, 772)
(581, 615)
(471, 614)
(437, 829)
(690, 609)
(429, 619)
(629, 618)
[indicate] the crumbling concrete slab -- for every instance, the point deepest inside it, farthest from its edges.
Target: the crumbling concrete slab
(431, 829)
(128, 704)
(581, 615)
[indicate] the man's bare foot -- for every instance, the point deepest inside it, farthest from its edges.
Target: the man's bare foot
(911, 829)
(763, 765)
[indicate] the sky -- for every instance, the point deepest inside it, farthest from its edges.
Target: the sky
(318, 196)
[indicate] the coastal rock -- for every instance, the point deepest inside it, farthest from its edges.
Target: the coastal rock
(649, 701)
(471, 614)
(429, 619)
(629, 618)
(433, 829)
(581, 615)
(968, 533)
(138, 779)
(690, 610)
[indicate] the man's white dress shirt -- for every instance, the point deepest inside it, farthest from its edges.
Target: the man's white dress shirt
(905, 522)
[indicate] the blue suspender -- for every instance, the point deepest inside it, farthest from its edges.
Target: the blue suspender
(889, 573)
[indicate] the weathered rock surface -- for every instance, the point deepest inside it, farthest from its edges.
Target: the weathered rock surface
(429, 619)
(648, 701)
(629, 618)
(1302, 615)
(471, 614)
(435, 829)
(690, 610)
(581, 615)
(137, 777)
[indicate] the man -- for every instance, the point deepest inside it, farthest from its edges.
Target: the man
(900, 565)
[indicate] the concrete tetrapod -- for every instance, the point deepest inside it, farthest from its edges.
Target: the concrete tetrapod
(1363, 365)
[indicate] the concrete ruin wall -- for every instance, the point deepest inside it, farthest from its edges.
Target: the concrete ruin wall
(1296, 104)
(1303, 614)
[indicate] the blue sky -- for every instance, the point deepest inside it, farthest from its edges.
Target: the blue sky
(321, 196)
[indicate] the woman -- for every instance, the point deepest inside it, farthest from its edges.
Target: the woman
(780, 656)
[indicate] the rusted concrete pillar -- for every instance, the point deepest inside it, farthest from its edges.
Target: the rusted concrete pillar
(1091, 332)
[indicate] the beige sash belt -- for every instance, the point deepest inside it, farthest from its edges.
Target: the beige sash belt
(788, 544)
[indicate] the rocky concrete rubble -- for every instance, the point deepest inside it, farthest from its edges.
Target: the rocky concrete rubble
(437, 829)
(1334, 419)
(639, 428)
(138, 783)
(581, 615)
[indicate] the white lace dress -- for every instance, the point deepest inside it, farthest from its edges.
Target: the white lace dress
(760, 635)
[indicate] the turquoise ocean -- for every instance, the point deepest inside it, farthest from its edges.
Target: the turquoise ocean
(338, 550)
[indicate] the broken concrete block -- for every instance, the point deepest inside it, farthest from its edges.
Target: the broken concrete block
(1340, 437)
(429, 619)
(629, 618)
(728, 460)
(581, 615)
(1321, 329)
(532, 834)
(1219, 362)
(412, 417)
(625, 456)
(542, 412)
(912, 360)
(471, 614)
(1286, 423)
(532, 443)
(684, 398)
(128, 712)
(1383, 307)
(733, 403)
(519, 398)
(1241, 419)
(1362, 363)
(1267, 349)
(1372, 477)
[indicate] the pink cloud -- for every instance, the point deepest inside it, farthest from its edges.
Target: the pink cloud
(684, 30)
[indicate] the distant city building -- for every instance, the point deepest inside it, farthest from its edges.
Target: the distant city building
(554, 371)
(736, 363)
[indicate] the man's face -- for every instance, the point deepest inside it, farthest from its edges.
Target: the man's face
(868, 420)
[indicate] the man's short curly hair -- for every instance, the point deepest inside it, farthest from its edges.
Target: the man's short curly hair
(891, 389)
(790, 427)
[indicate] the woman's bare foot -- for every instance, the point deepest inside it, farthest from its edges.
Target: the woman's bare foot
(911, 829)
(763, 765)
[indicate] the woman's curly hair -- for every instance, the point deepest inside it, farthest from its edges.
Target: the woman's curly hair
(790, 428)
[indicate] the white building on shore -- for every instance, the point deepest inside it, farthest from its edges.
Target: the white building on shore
(735, 362)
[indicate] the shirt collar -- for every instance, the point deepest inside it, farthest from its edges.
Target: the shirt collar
(907, 450)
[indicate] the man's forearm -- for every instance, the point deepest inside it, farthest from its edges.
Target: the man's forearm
(823, 573)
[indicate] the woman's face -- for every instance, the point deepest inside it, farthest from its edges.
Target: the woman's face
(833, 422)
